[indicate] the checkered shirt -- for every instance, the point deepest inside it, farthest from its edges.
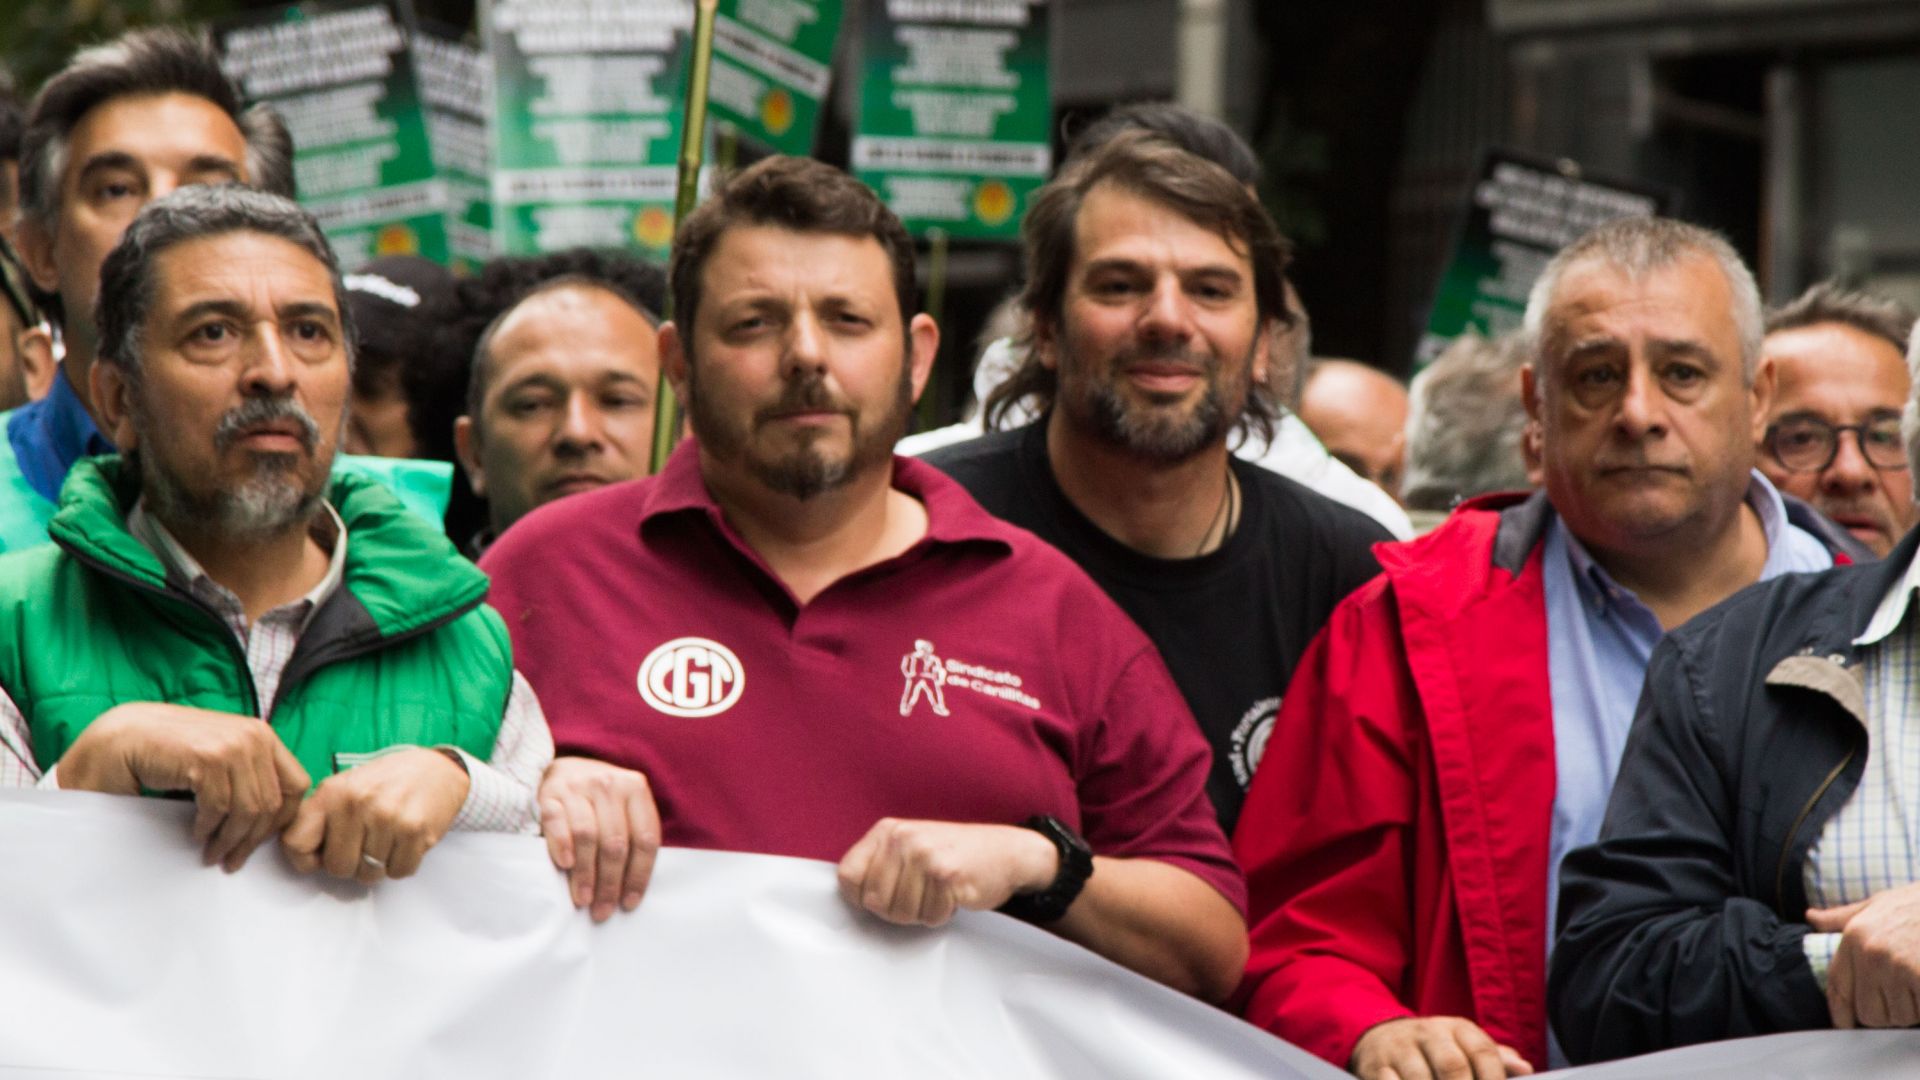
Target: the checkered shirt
(1869, 846)
(500, 795)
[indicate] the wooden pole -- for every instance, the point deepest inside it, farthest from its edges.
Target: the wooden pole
(666, 409)
(936, 306)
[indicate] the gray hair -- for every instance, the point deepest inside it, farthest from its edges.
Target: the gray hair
(157, 60)
(196, 212)
(1829, 302)
(1637, 247)
(1464, 424)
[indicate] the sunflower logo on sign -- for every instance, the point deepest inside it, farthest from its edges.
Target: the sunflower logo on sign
(776, 111)
(653, 227)
(993, 202)
(396, 239)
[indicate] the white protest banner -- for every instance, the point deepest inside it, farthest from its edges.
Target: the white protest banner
(123, 957)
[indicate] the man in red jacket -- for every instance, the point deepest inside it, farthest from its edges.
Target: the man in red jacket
(1456, 727)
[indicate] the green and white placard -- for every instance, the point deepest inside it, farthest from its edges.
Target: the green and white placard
(772, 64)
(341, 74)
(586, 121)
(453, 82)
(956, 111)
(1521, 211)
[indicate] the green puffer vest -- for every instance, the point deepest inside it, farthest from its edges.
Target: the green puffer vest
(405, 652)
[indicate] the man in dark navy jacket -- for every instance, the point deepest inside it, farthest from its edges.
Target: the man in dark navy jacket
(1756, 870)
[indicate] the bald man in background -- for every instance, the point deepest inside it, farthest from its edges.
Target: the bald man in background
(1360, 413)
(560, 399)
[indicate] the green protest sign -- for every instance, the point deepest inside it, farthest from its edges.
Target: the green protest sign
(453, 82)
(341, 74)
(585, 121)
(956, 112)
(1520, 212)
(772, 63)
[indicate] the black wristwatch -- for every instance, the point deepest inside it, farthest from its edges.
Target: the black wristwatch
(1076, 866)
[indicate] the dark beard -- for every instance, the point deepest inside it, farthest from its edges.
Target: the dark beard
(1155, 433)
(805, 472)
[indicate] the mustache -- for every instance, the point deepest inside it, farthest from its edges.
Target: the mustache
(1609, 462)
(803, 395)
(1851, 508)
(257, 411)
(1173, 351)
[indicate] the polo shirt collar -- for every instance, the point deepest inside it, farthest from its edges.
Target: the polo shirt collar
(952, 515)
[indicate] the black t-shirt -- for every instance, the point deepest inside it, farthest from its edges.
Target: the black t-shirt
(1231, 624)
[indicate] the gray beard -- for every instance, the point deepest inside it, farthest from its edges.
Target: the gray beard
(271, 502)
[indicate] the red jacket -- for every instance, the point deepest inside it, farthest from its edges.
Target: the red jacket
(1395, 836)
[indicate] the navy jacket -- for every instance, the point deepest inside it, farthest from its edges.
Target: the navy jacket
(1684, 923)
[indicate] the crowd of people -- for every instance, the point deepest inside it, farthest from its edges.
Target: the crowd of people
(1593, 745)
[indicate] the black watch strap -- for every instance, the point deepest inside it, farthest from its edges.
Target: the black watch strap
(1076, 866)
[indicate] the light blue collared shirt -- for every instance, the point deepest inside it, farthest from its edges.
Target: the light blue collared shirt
(1599, 638)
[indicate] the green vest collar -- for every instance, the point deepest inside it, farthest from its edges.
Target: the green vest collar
(406, 574)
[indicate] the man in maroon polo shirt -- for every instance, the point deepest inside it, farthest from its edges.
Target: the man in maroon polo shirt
(797, 644)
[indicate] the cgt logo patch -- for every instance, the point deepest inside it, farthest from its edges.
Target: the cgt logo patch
(692, 677)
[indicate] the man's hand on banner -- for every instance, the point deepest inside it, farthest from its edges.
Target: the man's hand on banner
(377, 819)
(1874, 979)
(602, 829)
(1434, 1048)
(921, 872)
(246, 784)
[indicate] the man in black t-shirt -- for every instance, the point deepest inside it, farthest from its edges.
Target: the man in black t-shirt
(1154, 282)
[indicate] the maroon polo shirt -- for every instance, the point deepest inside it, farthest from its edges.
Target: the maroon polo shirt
(980, 677)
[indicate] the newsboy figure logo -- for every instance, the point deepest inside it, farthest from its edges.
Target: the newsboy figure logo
(926, 676)
(692, 677)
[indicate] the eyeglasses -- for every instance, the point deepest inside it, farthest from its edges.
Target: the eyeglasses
(1808, 444)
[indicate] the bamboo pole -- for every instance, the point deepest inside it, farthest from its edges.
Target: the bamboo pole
(666, 408)
(936, 306)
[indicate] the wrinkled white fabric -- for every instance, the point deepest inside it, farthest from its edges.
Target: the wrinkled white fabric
(125, 957)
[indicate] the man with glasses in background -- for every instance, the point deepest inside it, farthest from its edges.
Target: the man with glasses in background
(1832, 436)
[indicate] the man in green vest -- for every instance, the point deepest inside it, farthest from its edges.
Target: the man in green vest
(124, 123)
(216, 615)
